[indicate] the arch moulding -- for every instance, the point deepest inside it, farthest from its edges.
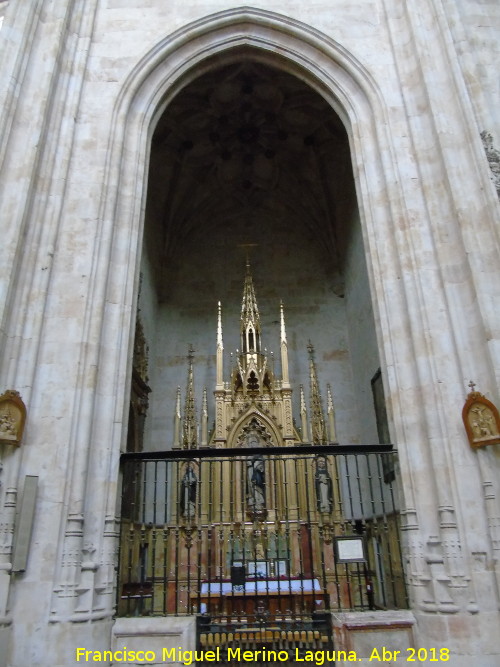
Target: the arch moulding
(246, 419)
(181, 57)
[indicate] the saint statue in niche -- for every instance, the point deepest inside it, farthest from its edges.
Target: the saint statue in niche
(188, 493)
(256, 485)
(323, 483)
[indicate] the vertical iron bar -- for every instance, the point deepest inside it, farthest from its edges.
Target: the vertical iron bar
(152, 536)
(277, 530)
(348, 480)
(288, 545)
(165, 569)
(209, 535)
(190, 523)
(337, 513)
(310, 536)
(322, 546)
(166, 511)
(241, 476)
(359, 574)
(178, 523)
(370, 485)
(144, 487)
(299, 530)
(221, 533)
(380, 475)
(370, 571)
(142, 548)
(199, 548)
(229, 465)
(360, 490)
(232, 490)
(201, 530)
(348, 584)
(397, 528)
(155, 482)
(388, 538)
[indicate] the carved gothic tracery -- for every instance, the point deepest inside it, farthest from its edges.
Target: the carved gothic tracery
(254, 434)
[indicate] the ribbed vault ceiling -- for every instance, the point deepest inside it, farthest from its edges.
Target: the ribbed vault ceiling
(246, 145)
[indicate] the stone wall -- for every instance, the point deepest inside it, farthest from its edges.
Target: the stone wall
(287, 267)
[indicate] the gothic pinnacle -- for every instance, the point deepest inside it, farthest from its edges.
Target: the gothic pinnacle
(318, 428)
(190, 436)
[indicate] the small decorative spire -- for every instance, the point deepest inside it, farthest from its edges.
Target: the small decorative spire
(303, 415)
(219, 326)
(282, 323)
(219, 371)
(177, 420)
(318, 429)
(204, 419)
(331, 414)
(472, 386)
(284, 350)
(250, 318)
(189, 440)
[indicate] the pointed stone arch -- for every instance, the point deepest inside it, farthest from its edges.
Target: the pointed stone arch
(154, 82)
(267, 37)
(271, 433)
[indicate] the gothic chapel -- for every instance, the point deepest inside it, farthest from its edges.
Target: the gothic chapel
(250, 331)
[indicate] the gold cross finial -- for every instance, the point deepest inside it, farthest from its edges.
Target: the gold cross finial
(471, 385)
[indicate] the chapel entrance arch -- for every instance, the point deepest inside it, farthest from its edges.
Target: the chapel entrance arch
(251, 166)
(250, 158)
(270, 42)
(249, 162)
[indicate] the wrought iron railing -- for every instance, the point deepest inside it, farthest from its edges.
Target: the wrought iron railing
(260, 539)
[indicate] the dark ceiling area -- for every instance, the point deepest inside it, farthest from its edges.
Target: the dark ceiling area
(248, 145)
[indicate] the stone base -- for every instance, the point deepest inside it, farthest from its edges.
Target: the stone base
(363, 632)
(153, 635)
(5, 632)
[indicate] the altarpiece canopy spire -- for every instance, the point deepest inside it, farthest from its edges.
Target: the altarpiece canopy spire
(318, 427)
(190, 427)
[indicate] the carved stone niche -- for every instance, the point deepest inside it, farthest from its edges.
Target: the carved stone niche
(12, 418)
(481, 420)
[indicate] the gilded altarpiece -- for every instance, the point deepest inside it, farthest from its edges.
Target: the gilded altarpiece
(241, 523)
